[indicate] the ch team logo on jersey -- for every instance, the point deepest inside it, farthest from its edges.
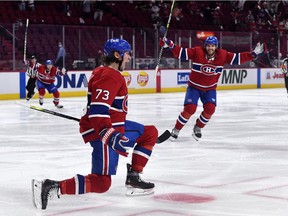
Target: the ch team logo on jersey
(208, 69)
(125, 104)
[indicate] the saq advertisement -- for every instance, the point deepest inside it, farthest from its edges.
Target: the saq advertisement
(271, 77)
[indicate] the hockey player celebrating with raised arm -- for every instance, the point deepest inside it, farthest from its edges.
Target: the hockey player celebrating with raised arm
(105, 127)
(46, 77)
(284, 70)
(208, 62)
(31, 72)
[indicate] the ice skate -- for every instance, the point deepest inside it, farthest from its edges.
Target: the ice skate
(59, 106)
(29, 97)
(174, 134)
(44, 190)
(41, 101)
(196, 133)
(135, 185)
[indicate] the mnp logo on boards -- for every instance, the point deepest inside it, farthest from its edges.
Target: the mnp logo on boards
(233, 76)
(182, 78)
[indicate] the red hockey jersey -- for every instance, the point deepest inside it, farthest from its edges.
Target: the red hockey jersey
(107, 103)
(47, 77)
(205, 73)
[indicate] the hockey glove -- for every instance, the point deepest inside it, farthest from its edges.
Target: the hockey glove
(259, 49)
(283, 67)
(26, 62)
(115, 140)
(166, 43)
(63, 71)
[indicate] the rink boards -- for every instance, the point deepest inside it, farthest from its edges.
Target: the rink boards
(12, 84)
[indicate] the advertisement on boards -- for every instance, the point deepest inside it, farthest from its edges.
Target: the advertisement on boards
(271, 78)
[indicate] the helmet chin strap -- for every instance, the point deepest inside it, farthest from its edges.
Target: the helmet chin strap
(120, 64)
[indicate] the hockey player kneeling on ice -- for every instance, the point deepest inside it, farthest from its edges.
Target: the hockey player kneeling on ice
(46, 76)
(105, 127)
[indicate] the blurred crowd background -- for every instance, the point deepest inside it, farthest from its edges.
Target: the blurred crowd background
(82, 27)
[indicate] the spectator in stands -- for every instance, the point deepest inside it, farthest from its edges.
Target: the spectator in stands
(272, 51)
(193, 8)
(67, 9)
(86, 9)
(98, 59)
(31, 5)
(60, 59)
(217, 13)
(250, 21)
(250, 17)
(177, 13)
(281, 27)
(22, 5)
(155, 12)
(99, 5)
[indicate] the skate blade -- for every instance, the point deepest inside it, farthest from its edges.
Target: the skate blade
(195, 137)
(172, 139)
(138, 191)
(36, 193)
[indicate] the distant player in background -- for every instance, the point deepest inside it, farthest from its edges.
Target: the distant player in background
(208, 62)
(284, 71)
(31, 73)
(46, 77)
(105, 127)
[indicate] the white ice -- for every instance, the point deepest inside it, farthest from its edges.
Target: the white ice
(238, 168)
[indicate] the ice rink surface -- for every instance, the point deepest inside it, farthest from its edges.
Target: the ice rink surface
(239, 168)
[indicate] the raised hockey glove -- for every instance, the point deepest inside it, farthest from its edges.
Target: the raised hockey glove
(115, 140)
(26, 62)
(259, 49)
(284, 65)
(166, 43)
(63, 71)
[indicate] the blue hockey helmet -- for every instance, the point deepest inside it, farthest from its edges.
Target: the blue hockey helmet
(211, 40)
(49, 62)
(118, 45)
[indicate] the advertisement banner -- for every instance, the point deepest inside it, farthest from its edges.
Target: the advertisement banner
(271, 78)
(176, 80)
(140, 81)
(238, 78)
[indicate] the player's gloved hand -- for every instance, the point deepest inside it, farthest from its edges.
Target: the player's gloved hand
(25, 62)
(166, 43)
(115, 140)
(284, 65)
(258, 50)
(63, 71)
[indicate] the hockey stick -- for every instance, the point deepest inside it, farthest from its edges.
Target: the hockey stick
(165, 34)
(53, 113)
(25, 40)
(163, 137)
